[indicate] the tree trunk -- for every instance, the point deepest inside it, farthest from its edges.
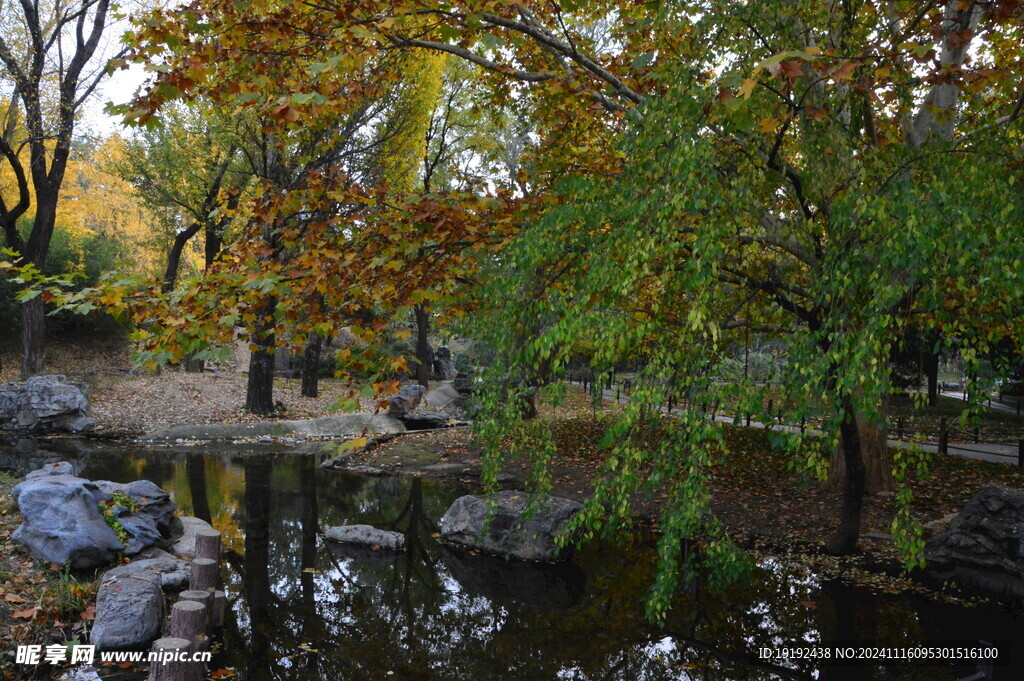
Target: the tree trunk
(875, 458)
(174, 255)
(423, 353)
(33, 312)
(214, 241)
(844, 542)
(259, 396)
(311, 366)
(33, 336)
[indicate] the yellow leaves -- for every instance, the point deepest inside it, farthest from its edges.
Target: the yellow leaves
(747, 87)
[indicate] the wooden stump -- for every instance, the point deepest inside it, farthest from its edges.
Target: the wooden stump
(208, 543)
(188, 621)
(217, 613)
(170, 670)
(205, 573)
(206, 599)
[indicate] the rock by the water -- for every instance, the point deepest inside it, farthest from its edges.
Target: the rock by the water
(172, 572)
(983, 546)
(406, 401)
(509, 532)
(463, 383)
(424, 419)
(129, 608)
(444, 365)
(45, 404)
(153, 522)
(185, 546)
(63, 523)
(366, 535)
(441, 396)
(339, 425)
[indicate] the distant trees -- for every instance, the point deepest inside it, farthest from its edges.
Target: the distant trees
(48, 56)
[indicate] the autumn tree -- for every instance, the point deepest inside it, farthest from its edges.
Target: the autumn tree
(190, 171)
(48, 52)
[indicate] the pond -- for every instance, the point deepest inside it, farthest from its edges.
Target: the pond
(305, 609)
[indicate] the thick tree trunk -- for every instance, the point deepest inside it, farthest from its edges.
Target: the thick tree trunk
(259, 396)
(214, 242)
(874, 447)
(311, 366)
(33, 336)
(844, 542)
(33, 313)
(423, 353)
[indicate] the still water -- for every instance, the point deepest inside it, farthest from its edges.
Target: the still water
(304, 609)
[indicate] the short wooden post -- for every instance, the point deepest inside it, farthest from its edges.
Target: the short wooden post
(617, 389)
(767, 421)
(1020, 454)
(943, 437)
(205, 572)
(219, 600)
(803, 424)
(188, 621)
(206, 599)
(166, 666)
(748, 419)
(208, 543)
(975, 434)
(899, 428)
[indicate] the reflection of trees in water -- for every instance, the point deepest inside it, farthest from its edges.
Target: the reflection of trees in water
(474, 617)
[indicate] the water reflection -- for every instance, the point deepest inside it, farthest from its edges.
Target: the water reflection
(305, 609)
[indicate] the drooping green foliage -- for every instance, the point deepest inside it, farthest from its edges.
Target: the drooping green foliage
(798, 192)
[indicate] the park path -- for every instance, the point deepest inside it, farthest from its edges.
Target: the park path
(982, 451)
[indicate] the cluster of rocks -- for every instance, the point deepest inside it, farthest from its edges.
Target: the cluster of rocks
(508, 524)
(406, 406)
(45, 404)
(63, 523)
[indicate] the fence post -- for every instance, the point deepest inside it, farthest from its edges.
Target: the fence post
(803, 423)
(976, 428)
(899, 428)
(1020, 454)
(943, 437)
(748, 419)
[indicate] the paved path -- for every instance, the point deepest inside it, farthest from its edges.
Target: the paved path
(983, 451)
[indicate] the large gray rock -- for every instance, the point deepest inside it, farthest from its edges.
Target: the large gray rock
(45, 404)
(129, 607)
(340, 425)
(406, 401)
(366, 535)
(983, 546)
(153, 521)
(510, 532)
(63, 522)
(442, 396)
(185, 546)
(444, 365)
